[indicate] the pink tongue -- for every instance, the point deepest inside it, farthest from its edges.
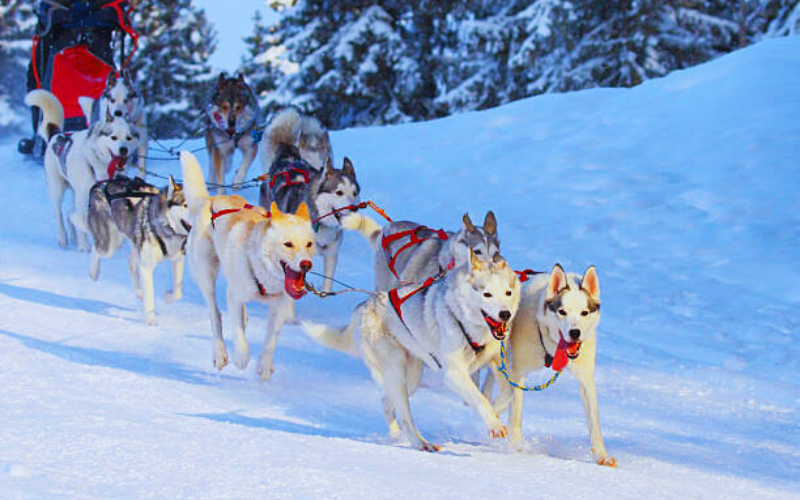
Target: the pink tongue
(113, 166)
(560, 360)
(294, 283)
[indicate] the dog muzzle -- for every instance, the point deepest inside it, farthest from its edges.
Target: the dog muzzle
(499, 328)
(564, 352)
(294, 282)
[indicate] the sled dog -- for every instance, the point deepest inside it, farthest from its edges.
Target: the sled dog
(410, 252)
(121, 99)
(231, 115)
(452, 325)
(264, 257)
(304, 132)
(156, 221)
(293, 181)
(557, 326)
(79, 160)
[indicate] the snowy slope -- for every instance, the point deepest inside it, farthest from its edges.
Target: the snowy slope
(682, 191)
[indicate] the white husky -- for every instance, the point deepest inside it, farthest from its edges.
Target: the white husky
(557, 325)
(452, 325)
(264, 257)
(79, 160)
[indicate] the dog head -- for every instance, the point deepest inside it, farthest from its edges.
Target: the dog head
(114, 137)
(495, 290)
(338, 189)
(288, 248)
(314, 142)
(231, 102)
(572, 305)
(483, 241)
(177, 210)
(120, 97)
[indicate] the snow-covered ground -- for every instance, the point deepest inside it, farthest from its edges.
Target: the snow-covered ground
(682, 191)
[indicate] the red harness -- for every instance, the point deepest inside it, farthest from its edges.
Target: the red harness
(414, 240)
(397, 301)
(216, 215)
(526, 274)
(287, 179)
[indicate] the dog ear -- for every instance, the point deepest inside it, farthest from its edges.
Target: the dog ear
(474, 261)
(112, 79)
(172, 186)
(347, 168)
(591, 284)
(275, 212)
(329, 168)
(109, 118)
(302, 212)
(221, 80)
(556, 283)
(468, 223)
(240, 79)
(490, 223)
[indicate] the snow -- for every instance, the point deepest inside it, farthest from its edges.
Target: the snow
(682, 191)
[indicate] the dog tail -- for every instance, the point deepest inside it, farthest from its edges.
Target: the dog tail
(368, 228)
(194, 184)
(52, 111)
(282, 129)
(340, 339)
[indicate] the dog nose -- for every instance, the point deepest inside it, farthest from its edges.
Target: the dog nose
(505, 315)
(123, 151)
(305, 265)
(575, 334)
(118, 112)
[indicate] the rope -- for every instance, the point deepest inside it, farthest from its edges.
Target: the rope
(323, 294)
(504, 370)
(254, 182)
(360, 206)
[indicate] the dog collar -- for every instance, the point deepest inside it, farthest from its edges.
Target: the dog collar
(474, 345)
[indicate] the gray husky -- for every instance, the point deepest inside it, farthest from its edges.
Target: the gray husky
(156, 223)
(304, 132)
(329, 194)
(410, 252)
(231, 115)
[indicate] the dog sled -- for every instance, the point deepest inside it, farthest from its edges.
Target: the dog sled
(73, 54)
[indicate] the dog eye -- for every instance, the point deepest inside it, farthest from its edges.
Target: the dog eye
(339, 193)
(308, 245)
(128, 138)
(114, 138)
(562, 312)
(288, 244)
(112, 100)
(584, 313)
(476, 252)
(487, 295)
(508, 293)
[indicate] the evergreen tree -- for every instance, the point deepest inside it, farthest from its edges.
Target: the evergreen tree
(261, 75)
(17, 24)
(171, 65)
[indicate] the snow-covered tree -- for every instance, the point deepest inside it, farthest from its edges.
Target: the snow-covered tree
(17, 23)
(171, 65)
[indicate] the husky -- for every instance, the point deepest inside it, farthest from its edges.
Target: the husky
(452, 325)
(304, 132)
(410, 252)
(328, 194)
(121, 99)
(557, 326)
(264, 257)
(156, 221)
(231, 115)
(79, 160)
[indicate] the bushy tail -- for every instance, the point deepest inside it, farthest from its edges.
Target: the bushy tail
(194, 184)
(340, 339)
(52, 111)
(368, 228)
(282, 130)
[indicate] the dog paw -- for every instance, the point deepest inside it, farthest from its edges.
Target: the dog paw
(265, 372)
(515, 440)
(607, 461)
(172, 296)
(430, 447)
(220, 358)
(351, 221)
(498, 431)
(62, 241)
(151, 320)
(241, 355)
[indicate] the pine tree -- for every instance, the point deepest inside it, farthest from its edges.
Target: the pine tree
(262, 75)
(17, 23)
(171, 65)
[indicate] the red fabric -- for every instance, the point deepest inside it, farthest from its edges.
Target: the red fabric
(77, 72)
(33, 62)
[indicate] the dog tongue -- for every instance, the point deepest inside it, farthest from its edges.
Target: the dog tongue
(117, 164)
(294, 283)
(561, 359)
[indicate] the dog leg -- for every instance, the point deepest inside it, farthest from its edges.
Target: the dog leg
(146, 265)
(56, 186)
(94, 265)
(237, 312)
(330, 260)
(249, 152)
(515, 420)
(177, 279)
(133, 268)
(458, 380)
(205, 275)
(584, 372)
(391, 420)
(280, 310)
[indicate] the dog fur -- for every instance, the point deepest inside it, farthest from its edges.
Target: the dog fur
(155, 221)
(565, 306)
(263, 255)
(91, 153)
(121, 99)
(437, 328)
(304, 132)
(231, 115)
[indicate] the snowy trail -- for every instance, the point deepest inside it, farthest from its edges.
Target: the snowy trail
(682, 191)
